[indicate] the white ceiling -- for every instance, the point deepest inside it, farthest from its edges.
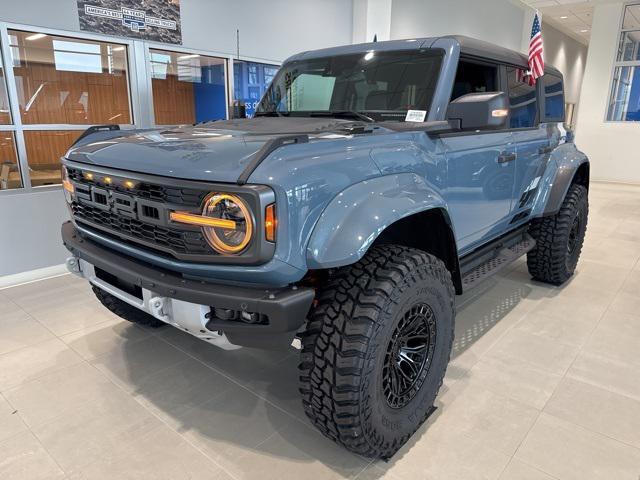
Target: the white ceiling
(573, 17)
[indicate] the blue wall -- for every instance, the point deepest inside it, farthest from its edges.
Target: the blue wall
(209, 94)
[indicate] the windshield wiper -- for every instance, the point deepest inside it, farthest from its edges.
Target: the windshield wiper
(342, 113)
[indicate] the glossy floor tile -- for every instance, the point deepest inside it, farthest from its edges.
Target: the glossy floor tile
(544, 384)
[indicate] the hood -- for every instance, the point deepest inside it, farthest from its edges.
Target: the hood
(216, 151)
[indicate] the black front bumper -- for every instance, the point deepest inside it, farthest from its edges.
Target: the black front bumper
(285, 308)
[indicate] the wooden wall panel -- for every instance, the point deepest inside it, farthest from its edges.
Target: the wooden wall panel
(72, 97)
(173, 101)
(7, 148)
(45, 147)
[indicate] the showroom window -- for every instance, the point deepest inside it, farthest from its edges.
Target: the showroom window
(624, 102)
(10, 177)
(187, 88)
(523, 100)
(54, 84)
(63, 80)
(251, 79)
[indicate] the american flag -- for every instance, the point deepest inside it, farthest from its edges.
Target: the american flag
(536, 50)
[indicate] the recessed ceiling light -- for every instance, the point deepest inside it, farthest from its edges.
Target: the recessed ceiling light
(118, 49)
(186, 57)
(564, 17)
(36, 36)
(584, 31)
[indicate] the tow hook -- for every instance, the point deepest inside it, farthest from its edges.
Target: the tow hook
(156, 306)
(73, 265)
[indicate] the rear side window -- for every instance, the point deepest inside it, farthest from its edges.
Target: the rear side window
(553, 92)
(474, 78)
(523, 100)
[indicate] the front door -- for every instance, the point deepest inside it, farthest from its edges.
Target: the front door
(481, 171)
(480, 166)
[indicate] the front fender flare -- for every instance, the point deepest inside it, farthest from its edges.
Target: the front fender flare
(353, 220)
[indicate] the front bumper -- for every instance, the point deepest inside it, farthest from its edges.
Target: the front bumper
(188, 304)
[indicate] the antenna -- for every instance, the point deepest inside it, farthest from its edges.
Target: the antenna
(235, 93)
(375, 38)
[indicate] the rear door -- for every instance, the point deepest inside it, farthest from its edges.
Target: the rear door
(480, 166)
(534, 140)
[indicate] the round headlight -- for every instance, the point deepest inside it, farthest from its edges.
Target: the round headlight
(229, 239)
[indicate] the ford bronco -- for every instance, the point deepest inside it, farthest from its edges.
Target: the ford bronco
(374, 183)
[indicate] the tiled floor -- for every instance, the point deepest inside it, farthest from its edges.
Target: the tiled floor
(544, 384)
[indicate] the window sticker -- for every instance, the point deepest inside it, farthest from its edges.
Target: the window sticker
(415, 116)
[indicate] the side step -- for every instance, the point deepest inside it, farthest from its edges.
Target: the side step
(495, 264)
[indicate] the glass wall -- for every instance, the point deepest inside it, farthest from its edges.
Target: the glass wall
(63, 80)
(9, 171)
(187, 88)
(251, 79)
(624, 103)
(54, 84)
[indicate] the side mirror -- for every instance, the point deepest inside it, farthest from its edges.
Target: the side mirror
(480, 111)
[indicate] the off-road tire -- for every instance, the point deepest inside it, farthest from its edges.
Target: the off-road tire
(126, 311)
(558, 242)
(346, 343)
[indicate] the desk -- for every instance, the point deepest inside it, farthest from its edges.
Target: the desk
(38, 178)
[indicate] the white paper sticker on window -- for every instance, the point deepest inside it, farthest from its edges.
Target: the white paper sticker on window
(415, 116)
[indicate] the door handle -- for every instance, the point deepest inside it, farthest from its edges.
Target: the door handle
(507, 157)
(545, 150)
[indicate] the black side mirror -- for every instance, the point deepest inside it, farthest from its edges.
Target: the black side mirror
(480, 111)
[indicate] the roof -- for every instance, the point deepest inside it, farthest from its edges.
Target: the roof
(471, 47)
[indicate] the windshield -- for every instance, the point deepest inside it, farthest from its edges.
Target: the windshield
(378, 85)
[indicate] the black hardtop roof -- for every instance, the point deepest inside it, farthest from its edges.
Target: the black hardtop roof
(469, 47)
(472, 47)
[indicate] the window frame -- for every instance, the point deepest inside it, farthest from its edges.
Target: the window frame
(620, 64)
(139, 85)
(543, 101)
(170, 48)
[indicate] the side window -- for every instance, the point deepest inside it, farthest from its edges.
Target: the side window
(553, 98)
(474, 78)
(523, 100)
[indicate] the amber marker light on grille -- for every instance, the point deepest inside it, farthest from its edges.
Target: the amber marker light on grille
(270, 222)
(129, 184)
(107, 180)
(201, 221)
(88, 175)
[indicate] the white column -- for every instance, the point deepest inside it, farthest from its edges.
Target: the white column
(611, 146)
(371, 18)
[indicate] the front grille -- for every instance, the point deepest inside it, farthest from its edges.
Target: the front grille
(150, 191)
(137, 214)
(180, 241)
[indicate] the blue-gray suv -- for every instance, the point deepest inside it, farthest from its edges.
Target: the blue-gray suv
(374, 183)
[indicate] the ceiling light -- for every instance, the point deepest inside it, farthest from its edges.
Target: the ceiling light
(584, 31)
(118, 49)
(36, 36)
(564, 17)
(186, 57)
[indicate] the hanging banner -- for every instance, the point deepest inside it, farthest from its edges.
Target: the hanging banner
(156, 20)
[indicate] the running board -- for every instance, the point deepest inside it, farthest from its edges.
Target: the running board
(495, 264)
